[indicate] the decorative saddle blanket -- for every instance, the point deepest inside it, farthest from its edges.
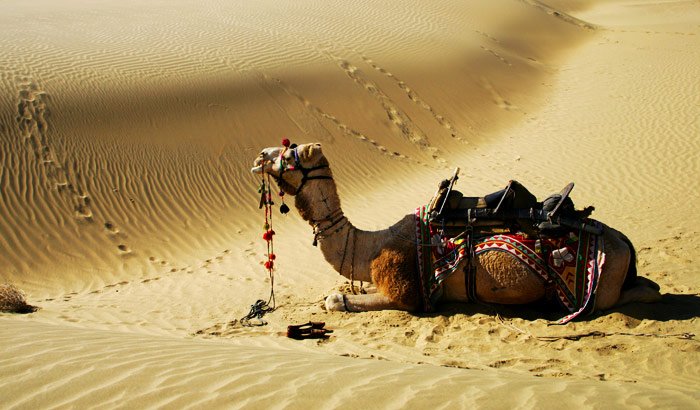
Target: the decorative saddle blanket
(570, 266)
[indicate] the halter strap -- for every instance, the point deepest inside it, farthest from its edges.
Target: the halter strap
(333, 222)
(304, 171)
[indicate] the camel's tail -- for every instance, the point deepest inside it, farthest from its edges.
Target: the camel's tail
(631, 278)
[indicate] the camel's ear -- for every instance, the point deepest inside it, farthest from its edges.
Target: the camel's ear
(310, 150)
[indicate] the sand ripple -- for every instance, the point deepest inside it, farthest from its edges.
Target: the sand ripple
(45, 366)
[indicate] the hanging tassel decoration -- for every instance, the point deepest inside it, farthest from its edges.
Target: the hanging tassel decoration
(283, 208)
(260, 308)
(285, 143)
(263, 193)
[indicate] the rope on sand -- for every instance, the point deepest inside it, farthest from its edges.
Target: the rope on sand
(594, 333)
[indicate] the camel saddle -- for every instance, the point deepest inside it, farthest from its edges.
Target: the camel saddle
(512, 209)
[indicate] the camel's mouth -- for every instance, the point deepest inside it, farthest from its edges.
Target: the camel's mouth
(266, 160)
(257, 165)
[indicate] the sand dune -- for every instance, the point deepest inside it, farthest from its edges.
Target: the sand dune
(129, 214)
(125, 137)
(187, 373)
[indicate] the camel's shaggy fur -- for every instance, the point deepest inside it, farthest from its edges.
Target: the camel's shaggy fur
(13, 300)
(393, 271)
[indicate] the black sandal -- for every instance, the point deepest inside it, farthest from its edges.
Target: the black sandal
(310, 330)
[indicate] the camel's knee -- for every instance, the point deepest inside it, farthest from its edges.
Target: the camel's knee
(336, 303)
(642, 281)
(640, 294)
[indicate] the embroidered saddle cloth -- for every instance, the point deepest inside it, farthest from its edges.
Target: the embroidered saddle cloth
(570, 266)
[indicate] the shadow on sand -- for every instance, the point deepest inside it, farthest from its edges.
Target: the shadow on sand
(671, 307)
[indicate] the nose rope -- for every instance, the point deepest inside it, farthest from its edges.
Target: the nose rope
(260, 307)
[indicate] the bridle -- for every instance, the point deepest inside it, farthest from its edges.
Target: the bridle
(284, 166)
(336, 220)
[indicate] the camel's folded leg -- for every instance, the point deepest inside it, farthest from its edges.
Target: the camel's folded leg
(645, 291)
(359, 303)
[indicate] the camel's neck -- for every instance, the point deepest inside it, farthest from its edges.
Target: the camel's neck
(340, 242)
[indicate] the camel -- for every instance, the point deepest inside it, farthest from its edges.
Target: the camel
(388, 258)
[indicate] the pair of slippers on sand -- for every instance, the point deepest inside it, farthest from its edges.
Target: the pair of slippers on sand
(310, 330)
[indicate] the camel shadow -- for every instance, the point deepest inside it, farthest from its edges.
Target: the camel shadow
(671, 307)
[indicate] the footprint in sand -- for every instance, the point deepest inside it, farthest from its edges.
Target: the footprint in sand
(498, 56)
(124, 250)
(32, 120)
(112, 286)
(83, 212)
(413, 96)
(498, 99)
(393, 111)
(322, 115)
(109, 226)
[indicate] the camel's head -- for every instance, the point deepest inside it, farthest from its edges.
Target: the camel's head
(292, 166)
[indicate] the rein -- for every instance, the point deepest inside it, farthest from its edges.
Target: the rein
(260, 307)
(318, 232)
(352, 265)
(332, 218)
(336, 221)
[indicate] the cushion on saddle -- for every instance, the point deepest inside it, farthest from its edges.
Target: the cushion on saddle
(512, 209)
(569, 265)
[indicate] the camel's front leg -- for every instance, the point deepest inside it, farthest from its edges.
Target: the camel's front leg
(359, 303)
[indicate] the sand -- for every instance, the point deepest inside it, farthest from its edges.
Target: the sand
(129, 214)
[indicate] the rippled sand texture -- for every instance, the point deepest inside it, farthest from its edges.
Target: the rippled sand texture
(129, 127)
(129, 215)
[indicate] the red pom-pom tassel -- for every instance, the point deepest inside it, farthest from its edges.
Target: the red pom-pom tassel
(269, 265)
(285, 142)
(268, 235)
